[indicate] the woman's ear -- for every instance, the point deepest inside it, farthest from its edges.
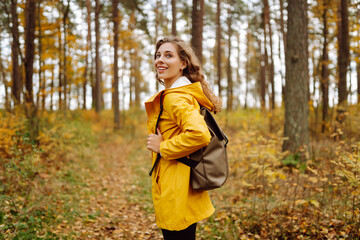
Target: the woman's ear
(183, 65)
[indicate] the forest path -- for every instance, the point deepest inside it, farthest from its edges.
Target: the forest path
(112, 214)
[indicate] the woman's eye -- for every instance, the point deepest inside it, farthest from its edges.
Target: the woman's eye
(157, 56)
(168, 55)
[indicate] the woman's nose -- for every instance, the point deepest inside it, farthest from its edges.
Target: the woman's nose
(159, 59)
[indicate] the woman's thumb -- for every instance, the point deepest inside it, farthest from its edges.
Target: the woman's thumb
(158, 131)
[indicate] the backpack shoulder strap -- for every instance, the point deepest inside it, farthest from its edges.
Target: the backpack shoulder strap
(211, 123)
(156, 126)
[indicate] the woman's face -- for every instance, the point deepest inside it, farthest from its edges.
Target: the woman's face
(168, 64)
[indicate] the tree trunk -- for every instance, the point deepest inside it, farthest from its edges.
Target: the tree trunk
(314, 76)
(123, 73)
(52, 88)
(229, 94)
(65, 17)
(324, 82)
(165, 19)
(97, 59)
(343, 44)
(281, 72)
(296, 128)
(173, 23)
(358, 75)
(30, 108)
(247, 66)
(131, 79)
(137, 80)
(77, 87)
(115, 97)
(68, 97)
(264, 63)
(238, 79)
(283, 33)
(41, 94)
(30, 10)
(101, 86)
(262, 75)
(197, 27)
(218, 46)
(88, 48)
(15, 49)
(6, 86)
(93, 80)
(60, 70)
(271, 65)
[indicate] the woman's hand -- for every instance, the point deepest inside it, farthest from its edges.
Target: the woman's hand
(153, 141)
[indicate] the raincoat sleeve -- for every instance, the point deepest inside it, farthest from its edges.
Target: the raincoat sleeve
(185, 112)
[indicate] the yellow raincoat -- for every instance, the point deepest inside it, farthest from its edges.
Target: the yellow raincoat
(184, 131)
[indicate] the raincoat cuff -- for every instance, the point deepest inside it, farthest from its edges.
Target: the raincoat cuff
(161, 155)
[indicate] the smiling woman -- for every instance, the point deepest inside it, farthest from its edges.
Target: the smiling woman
(168, 65)
(181, 130)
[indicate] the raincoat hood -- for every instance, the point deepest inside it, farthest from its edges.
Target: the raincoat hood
(193, 89)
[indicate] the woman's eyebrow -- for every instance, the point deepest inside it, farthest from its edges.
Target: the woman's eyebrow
(167, 51)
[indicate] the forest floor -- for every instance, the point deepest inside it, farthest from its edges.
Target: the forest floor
(89, 182)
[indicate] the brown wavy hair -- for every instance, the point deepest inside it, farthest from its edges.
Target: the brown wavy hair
(193, 70)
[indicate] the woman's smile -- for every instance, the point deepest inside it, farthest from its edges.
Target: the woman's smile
(161, 69)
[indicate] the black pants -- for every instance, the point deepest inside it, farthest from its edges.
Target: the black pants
(186, 234)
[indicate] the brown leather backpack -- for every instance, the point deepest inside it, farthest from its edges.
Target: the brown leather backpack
(209, 165)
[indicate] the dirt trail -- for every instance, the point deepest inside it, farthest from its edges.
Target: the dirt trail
(111, 215)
